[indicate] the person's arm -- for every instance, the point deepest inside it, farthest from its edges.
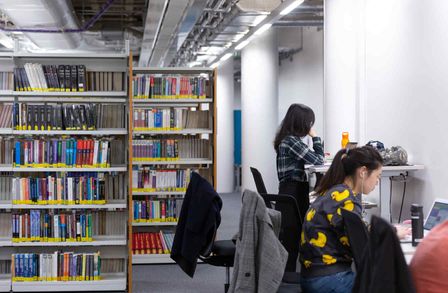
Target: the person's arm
(302, 151)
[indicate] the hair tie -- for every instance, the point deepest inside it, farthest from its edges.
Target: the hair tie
(345, 154)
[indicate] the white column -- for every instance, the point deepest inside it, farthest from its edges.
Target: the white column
(344, 68)
(224, 120)
(259, 104)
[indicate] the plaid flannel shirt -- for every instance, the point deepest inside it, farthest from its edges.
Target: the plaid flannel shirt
(292, 156)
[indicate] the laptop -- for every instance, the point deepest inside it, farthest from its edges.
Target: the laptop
(437, 214)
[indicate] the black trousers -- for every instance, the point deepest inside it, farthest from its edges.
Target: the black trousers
(290, 236)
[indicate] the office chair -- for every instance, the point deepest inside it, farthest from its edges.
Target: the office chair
(220, 253)
(357, 235)
(287, 205)
(196, 230)
(259, 183)
(383, 267)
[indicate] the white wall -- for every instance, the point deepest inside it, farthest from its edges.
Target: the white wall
(224, 104)
(404, 90)
(259, 95)
(341, 72)
(302, 79)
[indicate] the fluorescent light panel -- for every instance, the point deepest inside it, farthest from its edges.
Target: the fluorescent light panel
(242, 44)
(259, 19)
(262, 29)
(225, 57)
(291, 7)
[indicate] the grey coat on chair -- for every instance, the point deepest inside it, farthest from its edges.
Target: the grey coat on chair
(260, 258)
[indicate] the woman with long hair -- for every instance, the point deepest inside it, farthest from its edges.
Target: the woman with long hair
(292, 155)
(325, 254)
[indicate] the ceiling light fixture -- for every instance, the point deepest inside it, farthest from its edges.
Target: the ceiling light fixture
(243, 44)
(262, 29)
(259, 19)
(225, 57)
(291, 7)
(261, 24)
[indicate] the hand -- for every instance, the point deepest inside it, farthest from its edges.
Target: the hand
(312, 132)
(403, 231)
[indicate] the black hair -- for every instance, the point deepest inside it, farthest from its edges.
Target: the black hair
(298, 121)
(346, 162)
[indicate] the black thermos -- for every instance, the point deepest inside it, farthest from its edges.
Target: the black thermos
(417, 223)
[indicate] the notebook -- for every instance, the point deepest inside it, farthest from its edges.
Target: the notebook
(437, 214)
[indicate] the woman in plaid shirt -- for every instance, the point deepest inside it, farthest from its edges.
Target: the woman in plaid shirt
(292, 155)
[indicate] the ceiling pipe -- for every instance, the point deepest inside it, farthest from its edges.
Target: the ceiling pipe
(86, 26)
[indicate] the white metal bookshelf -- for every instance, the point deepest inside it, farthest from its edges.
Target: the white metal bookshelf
(5, 283)
(143, 102)
(108, 282)
(140, 193)
(151, 259)
(151, 224)
(114, 245)
(32, 169)
(99, 132)
(107, 206)
(110, 242)
(183, 131)
(206, 104)
(176, 162)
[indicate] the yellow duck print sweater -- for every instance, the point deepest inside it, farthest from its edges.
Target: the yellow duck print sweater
(323, 240)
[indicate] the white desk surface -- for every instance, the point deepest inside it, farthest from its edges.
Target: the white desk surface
(323, 168)
(408, 251)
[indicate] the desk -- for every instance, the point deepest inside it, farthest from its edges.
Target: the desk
(385, 196)
(408, 251)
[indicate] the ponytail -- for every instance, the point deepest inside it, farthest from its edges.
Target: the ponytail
(346, 162)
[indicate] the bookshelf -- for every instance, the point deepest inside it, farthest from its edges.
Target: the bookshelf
(63, 165)
(172, 132)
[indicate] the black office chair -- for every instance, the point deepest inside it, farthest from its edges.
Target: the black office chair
(220, 253)
(287, 205)
(357, 234)
(261, 188)
(217, 253)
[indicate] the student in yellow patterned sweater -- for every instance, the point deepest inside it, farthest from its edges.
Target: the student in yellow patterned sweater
(325, 253)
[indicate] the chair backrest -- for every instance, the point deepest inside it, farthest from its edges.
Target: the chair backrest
(259, 183)
(357, 234)
(284, 200)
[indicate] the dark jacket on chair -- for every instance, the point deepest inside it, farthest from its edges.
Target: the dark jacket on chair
(383, 267)
(199, 219)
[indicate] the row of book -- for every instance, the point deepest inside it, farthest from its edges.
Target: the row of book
(170, 87)
(152, 242)
(6, 115)
(5, 267)
(62, 153)
(54, 117)
(169, 149)
(169, 119)
(5, 186)
(57, 266)
(67, 188)
(38, 77)
(42, 226)
(149, 179)
(157, 210)
(67, 116)
(6, 146)
(6, 81)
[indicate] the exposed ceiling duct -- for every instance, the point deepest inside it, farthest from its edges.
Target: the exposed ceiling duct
(174, 15)
(44, 15)
(154, 19)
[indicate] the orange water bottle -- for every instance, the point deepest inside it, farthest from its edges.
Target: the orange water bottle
(345, 139)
